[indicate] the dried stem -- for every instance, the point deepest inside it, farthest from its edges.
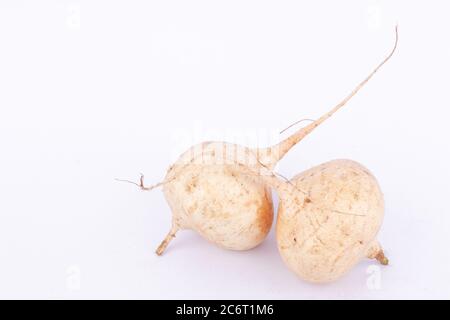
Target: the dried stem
(280, 150)
(376, 252)
(382, 258)
(162, 247)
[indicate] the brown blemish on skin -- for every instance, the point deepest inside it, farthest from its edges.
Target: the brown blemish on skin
(191, 185)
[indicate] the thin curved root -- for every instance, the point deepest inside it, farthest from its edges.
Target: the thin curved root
(141, 183)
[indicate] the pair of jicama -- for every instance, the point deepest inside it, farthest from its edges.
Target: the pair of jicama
(328, 216)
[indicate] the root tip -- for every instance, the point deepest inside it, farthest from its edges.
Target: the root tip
(162, 247)
(382, 259)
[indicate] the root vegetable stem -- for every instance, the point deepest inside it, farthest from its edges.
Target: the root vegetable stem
(285, 145)
(162, 247)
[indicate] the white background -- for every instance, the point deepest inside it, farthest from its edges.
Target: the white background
(96, 90)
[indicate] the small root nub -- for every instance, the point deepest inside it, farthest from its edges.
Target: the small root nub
(141, 183)
(382, 258)
(375, 251)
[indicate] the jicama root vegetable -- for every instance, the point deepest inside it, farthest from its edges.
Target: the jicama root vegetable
(207, 193)
(328, 219)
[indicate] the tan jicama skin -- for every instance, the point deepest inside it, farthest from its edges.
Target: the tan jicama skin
(206, 192)
(328, 219)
